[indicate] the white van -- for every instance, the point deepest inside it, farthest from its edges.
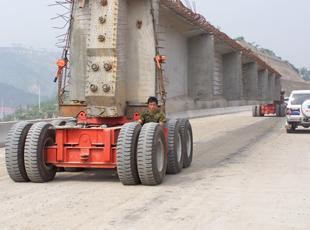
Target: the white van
(298, 110)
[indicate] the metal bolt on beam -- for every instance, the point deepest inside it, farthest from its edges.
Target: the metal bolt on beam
(106, 88)
(107, 67)
(102, 20)
(95, 67)
(93, 88)
(104, 2)
(101, 38)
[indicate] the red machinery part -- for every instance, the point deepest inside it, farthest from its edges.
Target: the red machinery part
(266, 109)
(84, 147)
(87, 147)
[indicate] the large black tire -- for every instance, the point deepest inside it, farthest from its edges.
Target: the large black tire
(187, 133)
(126, 154)
(254, 110)
(291, 128)
(40, 135)
(152, 154)
(278, 110)
(176, 143)
(283, 110)
(14, 151)
(259, 111)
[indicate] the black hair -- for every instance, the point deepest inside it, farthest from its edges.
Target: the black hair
(152, 99)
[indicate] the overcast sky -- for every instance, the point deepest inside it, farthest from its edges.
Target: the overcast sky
(280, 25)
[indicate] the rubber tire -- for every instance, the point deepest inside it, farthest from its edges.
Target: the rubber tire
(283, 110)
(259, 114)
(278, 110)
(254, 110)
(174, 165)
(150, 135)
(14, 151)
(36, 169)
(186, 129)
(292, 129)
(126, 154)
(58, 122)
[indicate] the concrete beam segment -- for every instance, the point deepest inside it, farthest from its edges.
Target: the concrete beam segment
(263, 85)
(250, 81)
(140, 83)
(232, 73)
(78, 52)
(201, 66)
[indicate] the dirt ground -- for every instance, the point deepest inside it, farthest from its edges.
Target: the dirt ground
(247, 173)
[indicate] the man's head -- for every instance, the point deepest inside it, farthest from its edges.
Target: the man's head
(152, 104)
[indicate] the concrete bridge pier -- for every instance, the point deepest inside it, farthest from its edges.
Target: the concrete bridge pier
(278, 87)
(250, 81)
(263, 85)
(271, 86)
(201, 66)
(232, 71)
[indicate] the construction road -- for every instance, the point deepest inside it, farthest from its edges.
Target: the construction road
(247, 173)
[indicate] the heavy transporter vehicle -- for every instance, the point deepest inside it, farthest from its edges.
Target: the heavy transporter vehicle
(277, 108)
(102, 87)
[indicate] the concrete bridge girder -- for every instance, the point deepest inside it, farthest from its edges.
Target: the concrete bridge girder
(202, 68)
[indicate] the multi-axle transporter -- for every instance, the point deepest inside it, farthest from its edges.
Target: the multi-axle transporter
(276, 108)
(102, 85)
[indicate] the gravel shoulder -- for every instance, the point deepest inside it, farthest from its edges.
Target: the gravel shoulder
(247, 173)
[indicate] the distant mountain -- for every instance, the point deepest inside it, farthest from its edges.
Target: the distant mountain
(26, 69)
(13, 97)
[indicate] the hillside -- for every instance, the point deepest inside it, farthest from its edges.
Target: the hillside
(13, 97)
(25, 69)
(286, 69)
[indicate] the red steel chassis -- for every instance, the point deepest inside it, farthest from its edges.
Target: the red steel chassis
(90, 147)
(267, 109)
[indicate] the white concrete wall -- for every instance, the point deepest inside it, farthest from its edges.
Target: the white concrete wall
(250, 81)
(201, 66)
(175, 48)
(232, 72)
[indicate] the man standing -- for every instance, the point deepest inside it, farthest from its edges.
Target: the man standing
(153, 113)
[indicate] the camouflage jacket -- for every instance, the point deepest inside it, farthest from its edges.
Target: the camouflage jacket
(156, 117)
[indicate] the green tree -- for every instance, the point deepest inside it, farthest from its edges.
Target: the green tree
(48, 110)
(305, 73)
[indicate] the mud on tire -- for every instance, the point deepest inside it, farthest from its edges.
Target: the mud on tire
(14, 151)
(126, 154)
(187, 133)
(40, 135)
(152, 154)
(176, 143)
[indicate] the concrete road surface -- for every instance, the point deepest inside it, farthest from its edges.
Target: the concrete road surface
(247, 173)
